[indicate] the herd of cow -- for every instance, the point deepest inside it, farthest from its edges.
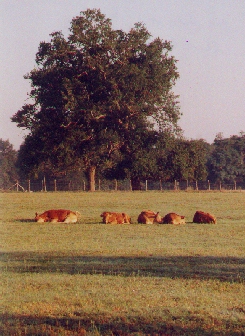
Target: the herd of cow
(145, 217)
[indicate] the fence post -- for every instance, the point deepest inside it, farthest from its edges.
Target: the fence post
(160, 184)
(99, 185)
(208, 185)
(175, 185)
(55, 186)
(130, 185)
(196, 185)
(235, 185)
(29, 185)
(44, 184)
(116, 184)
(84, 186)
(146, 185)
(220, 186)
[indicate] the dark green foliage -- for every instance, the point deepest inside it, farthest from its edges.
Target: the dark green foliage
(93, 90)
(162, 156)
(8, 169)
(183, 159)
(227, 159)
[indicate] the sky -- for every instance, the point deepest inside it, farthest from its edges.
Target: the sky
(208, 41)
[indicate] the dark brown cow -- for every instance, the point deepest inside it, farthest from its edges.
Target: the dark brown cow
(204, 217)
(149, 217)
(57, 216)
(115, 218)
(173, 218)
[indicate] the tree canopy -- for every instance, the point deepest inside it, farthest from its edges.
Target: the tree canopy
(92, 91)
(226, 162)
(8, 168)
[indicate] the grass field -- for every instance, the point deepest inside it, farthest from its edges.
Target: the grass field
(95, 279)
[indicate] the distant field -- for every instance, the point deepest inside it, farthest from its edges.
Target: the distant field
(95, 279)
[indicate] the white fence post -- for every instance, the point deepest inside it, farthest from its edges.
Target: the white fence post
(55, 186)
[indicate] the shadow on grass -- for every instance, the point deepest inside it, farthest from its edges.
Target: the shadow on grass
(107, 325)
(199, 267)
(26, 220)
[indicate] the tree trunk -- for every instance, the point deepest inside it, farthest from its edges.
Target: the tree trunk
(91, 174)
(135, 181)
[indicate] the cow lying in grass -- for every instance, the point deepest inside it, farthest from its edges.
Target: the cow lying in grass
(115, 218)
(204, 217)
(149, 217)
(57, 216)
(173, 218)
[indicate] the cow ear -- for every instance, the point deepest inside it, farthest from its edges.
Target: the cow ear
(36, 214)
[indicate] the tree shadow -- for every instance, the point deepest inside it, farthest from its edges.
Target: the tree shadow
(230, 269)
(107, 325)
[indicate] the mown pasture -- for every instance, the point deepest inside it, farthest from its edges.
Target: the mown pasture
(95, 279)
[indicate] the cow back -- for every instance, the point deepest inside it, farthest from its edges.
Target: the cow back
(173, 218)
(201, 217)
(149, 217)
(115, 218)
(58, 215)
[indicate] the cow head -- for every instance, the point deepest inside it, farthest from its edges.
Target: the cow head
(39, 218)
(158, 218)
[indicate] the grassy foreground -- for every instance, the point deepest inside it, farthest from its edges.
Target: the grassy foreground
(94, 279)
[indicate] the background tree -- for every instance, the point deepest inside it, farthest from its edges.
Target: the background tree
(92, 90)
(226, 162)
(136, 161)
(183, 159)
(8, 169)
(197, 159)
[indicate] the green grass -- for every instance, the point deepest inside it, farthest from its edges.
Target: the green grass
(94, 279)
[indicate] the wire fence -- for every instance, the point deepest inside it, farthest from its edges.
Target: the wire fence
(53, 185)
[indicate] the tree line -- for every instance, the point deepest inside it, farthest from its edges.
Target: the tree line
(102, 104)
(223, 162)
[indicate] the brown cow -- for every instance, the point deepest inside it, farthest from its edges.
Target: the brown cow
(149, 217)
(173, 218)
(57, 216)
(204, 217)
(115, 218)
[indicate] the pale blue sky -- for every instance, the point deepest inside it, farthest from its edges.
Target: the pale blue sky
(208, 41)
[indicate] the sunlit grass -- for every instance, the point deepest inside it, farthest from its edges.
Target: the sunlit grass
(95, 279)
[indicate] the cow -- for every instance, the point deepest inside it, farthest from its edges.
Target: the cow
(149, 217)
(204, 217)
(115, 218)
(57, 216)
(173, 218)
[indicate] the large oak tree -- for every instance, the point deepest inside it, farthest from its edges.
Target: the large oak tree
(92, 90)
